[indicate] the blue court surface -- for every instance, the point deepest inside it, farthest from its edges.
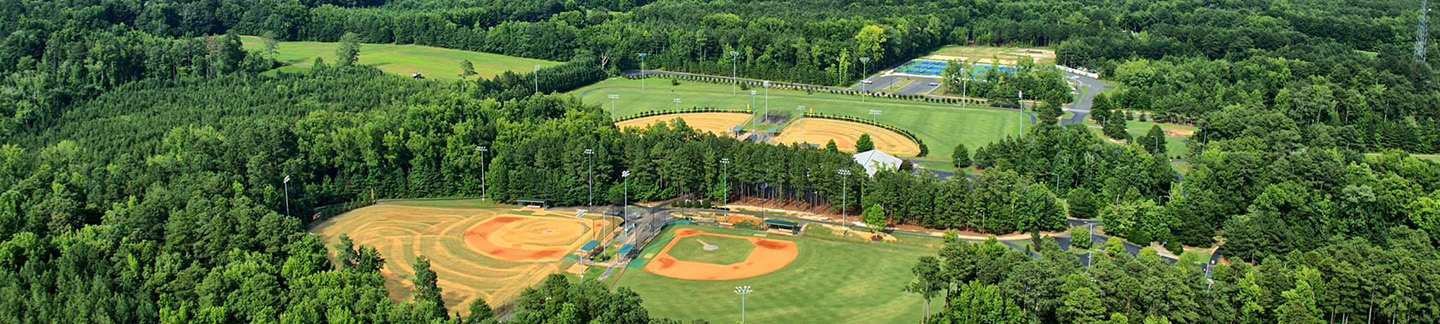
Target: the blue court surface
(936, 68)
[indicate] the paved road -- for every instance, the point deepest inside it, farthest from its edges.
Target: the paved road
(1081, 107)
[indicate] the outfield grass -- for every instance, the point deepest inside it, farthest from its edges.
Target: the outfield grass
(831, 281)
(1431, 157)
(732, 250)
(1174, 144)
(940, 126)
(432, 62)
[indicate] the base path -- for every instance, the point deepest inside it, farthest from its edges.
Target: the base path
(768, 256)
(719, 123)
(819, 131)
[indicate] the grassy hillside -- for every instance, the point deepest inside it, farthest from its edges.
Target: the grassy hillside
(433, 62)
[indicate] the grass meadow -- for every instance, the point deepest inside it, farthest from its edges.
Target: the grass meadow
(432, 62)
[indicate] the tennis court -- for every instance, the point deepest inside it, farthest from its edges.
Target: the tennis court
(936, 68)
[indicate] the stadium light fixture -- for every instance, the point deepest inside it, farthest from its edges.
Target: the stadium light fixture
(643, 73)
(725, 201)
(734, 71)
(613, 97)
(590, 155)
(844, 198)
(484, 194)
(743, 291)
(875, 120)
(625, 206)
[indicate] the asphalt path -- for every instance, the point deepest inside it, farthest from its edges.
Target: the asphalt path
(1081, 107)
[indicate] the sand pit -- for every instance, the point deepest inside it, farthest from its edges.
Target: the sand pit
(768, 256)
(719, 123)
(492, 253)
(820, 131)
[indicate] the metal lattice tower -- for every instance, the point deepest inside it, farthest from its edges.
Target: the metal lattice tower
(1422, 34)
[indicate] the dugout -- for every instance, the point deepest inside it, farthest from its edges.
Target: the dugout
(591, 249)
(527, 202)
(785, 227)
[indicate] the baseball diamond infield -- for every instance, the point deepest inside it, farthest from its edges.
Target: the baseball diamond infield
(718, 123)
(820, 131)
(768, 256)
(491, 252)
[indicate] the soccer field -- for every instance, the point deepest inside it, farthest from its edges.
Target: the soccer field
(831, 281)
(432, 62)
(940, 126)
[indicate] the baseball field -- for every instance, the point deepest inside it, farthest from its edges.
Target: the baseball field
(718, 123)
(827, 280)
(432, 62)
(478, 250)
(940, 126)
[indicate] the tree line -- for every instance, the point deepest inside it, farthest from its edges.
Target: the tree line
(1352, 281)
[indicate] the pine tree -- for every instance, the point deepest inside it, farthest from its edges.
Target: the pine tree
(427, 290)
(864, 144)
(961, 157)
(1154, 141)
(348, 52)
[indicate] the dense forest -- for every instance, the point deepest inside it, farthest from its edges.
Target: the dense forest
(149, 173)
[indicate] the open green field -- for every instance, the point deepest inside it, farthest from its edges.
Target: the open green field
(940, 126)
(432, 62)
(986, 54)
(1431, 157)
(731, 250)
(1174, 134)
(831, 281)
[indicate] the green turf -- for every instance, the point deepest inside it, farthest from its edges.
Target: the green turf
(432, 62)
(940, 126)
(732, 250)
(1431, 157)
(1174, 145)
(832, 281)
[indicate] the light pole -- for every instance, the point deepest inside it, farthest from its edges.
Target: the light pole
(844, 198)
(725, 201)
(613, 97)
(742, 291)
(875, 120)
(734, 72)
(767, 98)
(643, 74)
(865, 63)
(625, 206)
(590, 155)
(1021, 102)
(286, 183)
(864, 94)
(537, 78)
(752, 108)
(677, 104)
(483, 192)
